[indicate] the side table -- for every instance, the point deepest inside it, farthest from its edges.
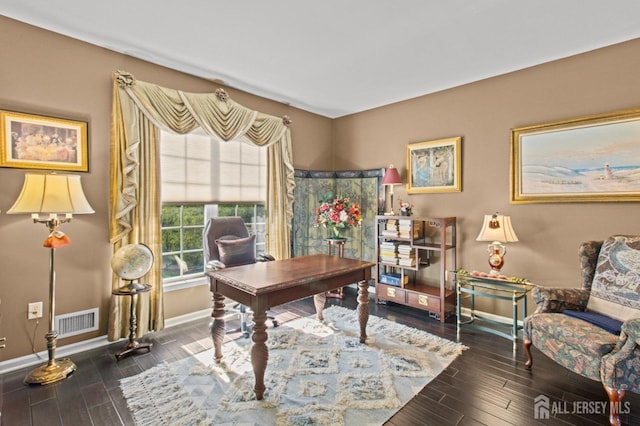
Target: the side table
(132, 345)
(338, 243)
(494, 288)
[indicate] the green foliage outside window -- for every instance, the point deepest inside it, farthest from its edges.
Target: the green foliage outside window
(182, 228)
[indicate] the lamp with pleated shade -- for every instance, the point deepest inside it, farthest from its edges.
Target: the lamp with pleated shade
(497, 230)
(51, 194)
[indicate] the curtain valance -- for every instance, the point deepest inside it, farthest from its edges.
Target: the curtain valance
(220, 117)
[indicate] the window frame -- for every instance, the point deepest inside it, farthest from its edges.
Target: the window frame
(256, 226)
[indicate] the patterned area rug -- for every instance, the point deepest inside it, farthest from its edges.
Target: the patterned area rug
(318, 374)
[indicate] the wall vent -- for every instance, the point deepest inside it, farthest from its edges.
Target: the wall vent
(76, 322)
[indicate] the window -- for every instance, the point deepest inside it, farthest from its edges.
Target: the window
(182, 228)
(204, 178)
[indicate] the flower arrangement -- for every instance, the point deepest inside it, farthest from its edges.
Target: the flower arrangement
(405, 208)
(338, 214)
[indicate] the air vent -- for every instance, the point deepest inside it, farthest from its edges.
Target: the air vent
(76, 323)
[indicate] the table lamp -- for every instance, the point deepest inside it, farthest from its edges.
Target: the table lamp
(391, 178)
(497, 230)
(51, 194)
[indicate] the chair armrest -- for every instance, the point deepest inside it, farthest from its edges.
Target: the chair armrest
(631, 329)
(551, 299)
(618, 369)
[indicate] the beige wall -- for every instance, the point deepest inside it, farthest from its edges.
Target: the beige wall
(483, 114)
(45, 73)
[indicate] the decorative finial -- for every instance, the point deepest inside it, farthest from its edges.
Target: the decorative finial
(222, 95)
(125, 79)
(287, 120)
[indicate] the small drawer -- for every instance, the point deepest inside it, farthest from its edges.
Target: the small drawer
(391, 293)
(424, 301)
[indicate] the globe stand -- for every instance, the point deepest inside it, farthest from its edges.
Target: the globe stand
(131, 287)
(132, 345)
(131, 262)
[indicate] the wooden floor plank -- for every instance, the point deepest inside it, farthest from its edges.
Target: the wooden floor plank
(487, 385)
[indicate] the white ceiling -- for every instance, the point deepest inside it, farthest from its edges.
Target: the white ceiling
(335, 57)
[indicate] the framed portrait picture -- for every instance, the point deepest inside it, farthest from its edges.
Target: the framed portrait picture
(434, 166)
(595, 158)
(30, 141)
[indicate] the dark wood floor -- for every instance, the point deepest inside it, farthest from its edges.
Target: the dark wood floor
(488, 384)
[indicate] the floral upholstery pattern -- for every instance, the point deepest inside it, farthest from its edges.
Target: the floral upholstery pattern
(583, 347)
(620, 369)
(571, 342)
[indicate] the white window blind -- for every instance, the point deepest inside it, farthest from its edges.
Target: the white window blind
(199, 169)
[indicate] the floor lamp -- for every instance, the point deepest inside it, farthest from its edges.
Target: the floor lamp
(51, 194)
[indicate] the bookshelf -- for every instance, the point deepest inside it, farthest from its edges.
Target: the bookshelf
(406, 246)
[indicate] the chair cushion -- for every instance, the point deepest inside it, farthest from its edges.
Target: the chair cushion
(609, 324)
(617, 278)
(571, 342)
(237, 251)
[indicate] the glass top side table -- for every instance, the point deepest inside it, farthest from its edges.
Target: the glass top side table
(514, 290)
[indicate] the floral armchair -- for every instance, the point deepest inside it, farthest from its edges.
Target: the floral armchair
(595, 330)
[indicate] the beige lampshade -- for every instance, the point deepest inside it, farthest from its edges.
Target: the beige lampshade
(497, 227)
(51, 193)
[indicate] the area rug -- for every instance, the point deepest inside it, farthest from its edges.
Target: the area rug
(318, 374)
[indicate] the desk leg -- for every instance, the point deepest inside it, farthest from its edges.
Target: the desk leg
(259, 351)
(319, 300)
(217, 327)
(363, 308)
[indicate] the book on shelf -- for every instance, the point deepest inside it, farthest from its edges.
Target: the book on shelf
(409, 261)
(388, 259)
(389, 233)
(404, 248)
(394, 279)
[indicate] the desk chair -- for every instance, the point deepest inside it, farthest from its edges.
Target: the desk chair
(227, 243)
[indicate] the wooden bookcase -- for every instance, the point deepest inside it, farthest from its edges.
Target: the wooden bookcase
(430, 242)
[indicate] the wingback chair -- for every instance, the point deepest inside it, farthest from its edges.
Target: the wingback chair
(227, 243)
(595, 330)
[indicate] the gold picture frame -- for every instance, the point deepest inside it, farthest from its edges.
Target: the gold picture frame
(434, 166)
(29, 141)
(586, 159)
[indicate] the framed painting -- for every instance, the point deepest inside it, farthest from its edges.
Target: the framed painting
(434, 166)
(30, 141)
(594, 158)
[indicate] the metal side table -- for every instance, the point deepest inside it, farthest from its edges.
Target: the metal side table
(493, 288)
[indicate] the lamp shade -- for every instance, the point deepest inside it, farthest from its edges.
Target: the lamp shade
(497, 227)
(51, 193)
(391, 176)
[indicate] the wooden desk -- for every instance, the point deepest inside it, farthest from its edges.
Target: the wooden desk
(263, 285)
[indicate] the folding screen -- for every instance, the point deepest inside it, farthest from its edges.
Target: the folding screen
(361, 186)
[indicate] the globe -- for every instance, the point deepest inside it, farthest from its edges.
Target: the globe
(132, 261)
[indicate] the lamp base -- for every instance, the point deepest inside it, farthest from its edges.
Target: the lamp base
(52, 372)
(391, 213)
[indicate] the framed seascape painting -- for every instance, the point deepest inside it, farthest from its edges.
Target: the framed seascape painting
(434, 166)
(595, 158)
(30, 141)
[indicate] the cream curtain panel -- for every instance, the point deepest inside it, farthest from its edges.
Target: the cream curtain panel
(139, 110)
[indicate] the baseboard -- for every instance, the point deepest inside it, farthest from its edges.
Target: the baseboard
(61, 352)
(74, 348)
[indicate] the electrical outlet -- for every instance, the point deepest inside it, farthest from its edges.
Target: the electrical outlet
(34, 310)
